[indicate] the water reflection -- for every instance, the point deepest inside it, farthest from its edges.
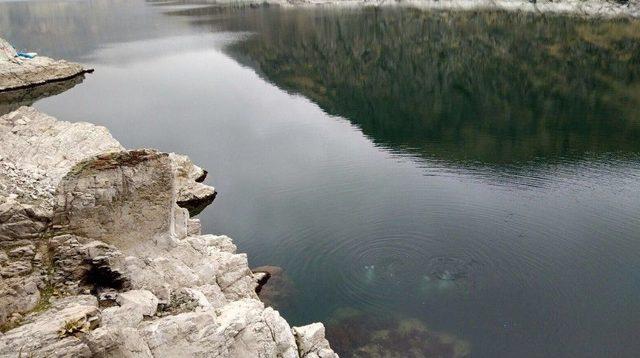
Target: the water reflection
(12, 100)
(73, 29)
(474, 87)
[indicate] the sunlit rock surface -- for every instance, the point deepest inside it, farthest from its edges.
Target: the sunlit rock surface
(17, 72)
(98, 259)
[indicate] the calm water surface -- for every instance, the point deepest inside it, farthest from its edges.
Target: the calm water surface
(447, 183)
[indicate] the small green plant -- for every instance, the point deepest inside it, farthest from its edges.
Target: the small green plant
(73, 327)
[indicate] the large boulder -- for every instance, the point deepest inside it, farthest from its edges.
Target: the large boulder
(126, 199)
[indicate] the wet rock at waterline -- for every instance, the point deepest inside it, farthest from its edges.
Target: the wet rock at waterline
(368, 335)
(98, 259)
(20, 72)
(275, 288)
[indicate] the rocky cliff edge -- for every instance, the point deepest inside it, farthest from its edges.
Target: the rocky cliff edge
(98, 259)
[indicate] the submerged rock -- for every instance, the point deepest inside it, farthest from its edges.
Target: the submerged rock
(19, 72)
(275, 288)
(355, 333)
(81, 215)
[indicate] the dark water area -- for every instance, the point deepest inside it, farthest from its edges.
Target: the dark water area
(432, 183)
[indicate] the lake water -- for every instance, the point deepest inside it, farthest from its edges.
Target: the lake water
(433, 184)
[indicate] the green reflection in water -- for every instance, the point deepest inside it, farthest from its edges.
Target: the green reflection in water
(467, 86)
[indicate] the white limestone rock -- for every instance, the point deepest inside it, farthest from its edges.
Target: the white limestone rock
(142, 301)
(312, 343)
(116, 342)
(243, 329)
(251, 330)
(45, 336)
(123, 317)
(37, 150)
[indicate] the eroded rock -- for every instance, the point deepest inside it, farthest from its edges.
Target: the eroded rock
(126, 199)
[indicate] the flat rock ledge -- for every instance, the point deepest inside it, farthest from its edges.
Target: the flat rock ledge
(17, 72)
(97, 258)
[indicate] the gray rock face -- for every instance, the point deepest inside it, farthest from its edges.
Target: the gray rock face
(36, 151)
(17, 72)
(115, 267)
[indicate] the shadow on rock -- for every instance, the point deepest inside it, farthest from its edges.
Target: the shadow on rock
(354, 333)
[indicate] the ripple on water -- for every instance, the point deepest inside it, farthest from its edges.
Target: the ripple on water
(377, 271)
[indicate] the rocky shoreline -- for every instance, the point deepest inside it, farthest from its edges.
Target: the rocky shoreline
(98, 259)
(18, 72)
(584, 8)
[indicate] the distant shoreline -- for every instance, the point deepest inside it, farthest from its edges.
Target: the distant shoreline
(582, 8)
